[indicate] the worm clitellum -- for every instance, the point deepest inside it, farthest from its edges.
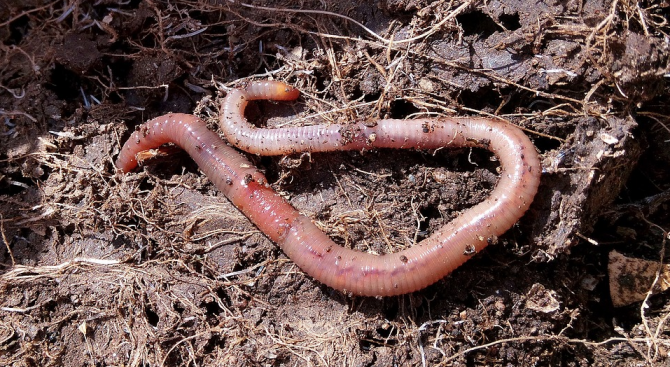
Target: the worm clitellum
(315, 253)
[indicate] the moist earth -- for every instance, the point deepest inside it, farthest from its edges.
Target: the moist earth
(155, 267)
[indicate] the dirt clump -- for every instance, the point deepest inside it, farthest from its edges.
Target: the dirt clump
(156, 267)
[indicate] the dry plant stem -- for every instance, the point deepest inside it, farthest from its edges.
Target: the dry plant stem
(4, 239)
(345, 269)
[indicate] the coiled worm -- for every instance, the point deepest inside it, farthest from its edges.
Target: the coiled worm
(342, 268)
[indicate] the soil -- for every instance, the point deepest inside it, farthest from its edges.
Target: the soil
(152, 268)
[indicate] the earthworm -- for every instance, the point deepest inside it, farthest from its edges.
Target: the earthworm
(345, 269)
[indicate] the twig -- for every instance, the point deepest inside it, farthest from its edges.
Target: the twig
(4, 239)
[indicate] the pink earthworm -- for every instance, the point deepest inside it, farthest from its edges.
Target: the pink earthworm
(345, 269)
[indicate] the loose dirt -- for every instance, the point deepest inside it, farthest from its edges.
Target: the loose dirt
(155, 267)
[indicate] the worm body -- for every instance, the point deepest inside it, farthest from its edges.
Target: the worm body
(315, 253)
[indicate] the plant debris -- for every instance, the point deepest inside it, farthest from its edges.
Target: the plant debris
(156, 267)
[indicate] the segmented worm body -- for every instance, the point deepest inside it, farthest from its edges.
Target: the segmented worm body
(315, 253)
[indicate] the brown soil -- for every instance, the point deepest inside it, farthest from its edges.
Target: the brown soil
(156, 268)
